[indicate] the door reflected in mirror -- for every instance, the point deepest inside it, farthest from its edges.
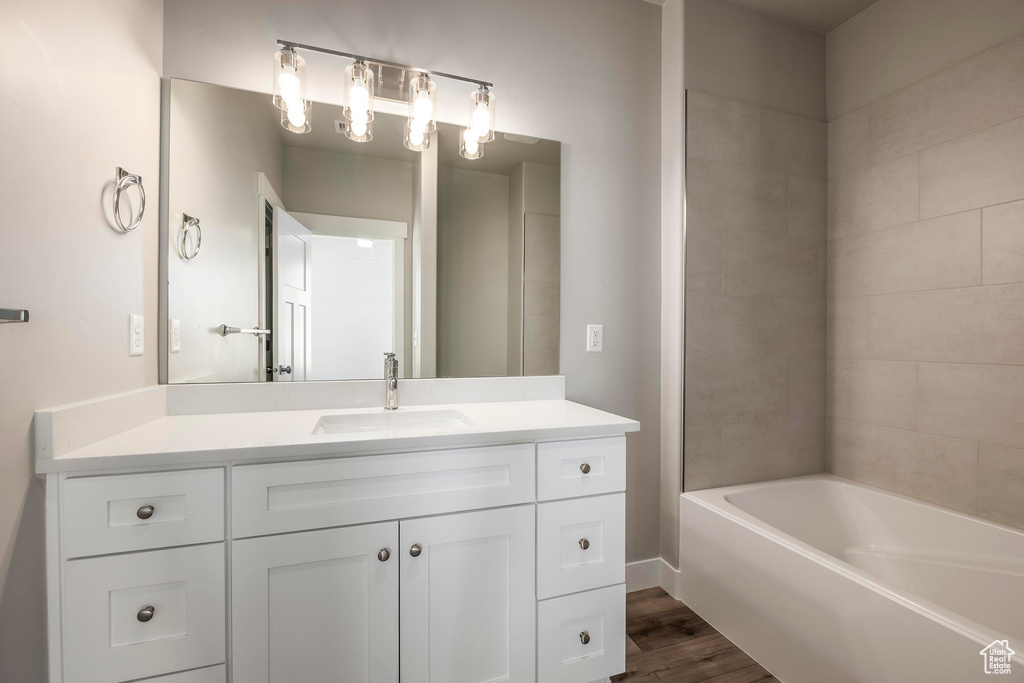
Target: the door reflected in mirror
(324, 254)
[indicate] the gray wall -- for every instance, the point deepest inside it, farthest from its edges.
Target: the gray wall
(926, 287)
(610, 157)
(85, 99)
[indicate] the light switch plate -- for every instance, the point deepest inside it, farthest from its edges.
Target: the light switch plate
(595, 338)
(136, 334)
(174, 330)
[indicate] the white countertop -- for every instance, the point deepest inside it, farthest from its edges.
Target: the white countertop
(178, 440)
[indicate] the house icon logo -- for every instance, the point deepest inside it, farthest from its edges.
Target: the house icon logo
(997, 657)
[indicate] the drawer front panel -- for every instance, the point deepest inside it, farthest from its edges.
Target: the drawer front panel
(211, 674)
(581, 544)
(107, 635)
(103, 515)
(270, 499)
(582, 637)
(567, 469)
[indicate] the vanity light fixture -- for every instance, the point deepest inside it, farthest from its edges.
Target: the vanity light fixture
(368, 78)
(290, 90)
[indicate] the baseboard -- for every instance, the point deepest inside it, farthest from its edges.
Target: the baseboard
(650, 573)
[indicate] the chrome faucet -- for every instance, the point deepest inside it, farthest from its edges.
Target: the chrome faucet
(391, 381)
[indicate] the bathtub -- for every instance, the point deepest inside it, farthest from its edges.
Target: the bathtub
(821, 579)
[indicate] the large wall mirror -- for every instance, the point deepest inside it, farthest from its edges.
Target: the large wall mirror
(309, 256)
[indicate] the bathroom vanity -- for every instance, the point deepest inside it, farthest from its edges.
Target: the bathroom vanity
(446, 541)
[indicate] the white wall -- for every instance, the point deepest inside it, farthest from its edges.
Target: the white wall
(472, 273)
(219, 139)
(82, 96)
(351, 333)
(894, 43)
(744, 55)
(335, 184)
(535, 52)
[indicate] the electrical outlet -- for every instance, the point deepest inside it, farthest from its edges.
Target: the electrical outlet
(136, 329)
(174, 330)
(595, 338)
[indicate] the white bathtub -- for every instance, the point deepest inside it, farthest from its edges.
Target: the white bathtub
(823, 580)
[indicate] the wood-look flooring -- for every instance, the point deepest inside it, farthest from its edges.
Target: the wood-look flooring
(667, 642)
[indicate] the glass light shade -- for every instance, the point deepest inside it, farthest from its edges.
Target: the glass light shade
(481, 118)
(469, 146)
(359, 131)
(420, 95)
(359, 88)
(296, 119)
(415, 139)
(289, 79)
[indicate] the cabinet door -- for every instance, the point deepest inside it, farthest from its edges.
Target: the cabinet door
(317, 606)
(469, 597)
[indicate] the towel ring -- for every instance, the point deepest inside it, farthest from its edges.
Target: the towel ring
(186, 223)
(124, 180)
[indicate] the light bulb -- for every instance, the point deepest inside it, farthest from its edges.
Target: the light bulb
(419, 126)
(288, 83)
(415, 137)
(423, 106)
(481, 125)
(472, 142)
(358, 95)
(296, 116)
(360, 116)
(359, 128)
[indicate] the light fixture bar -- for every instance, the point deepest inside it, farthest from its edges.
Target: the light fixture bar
(383, 62)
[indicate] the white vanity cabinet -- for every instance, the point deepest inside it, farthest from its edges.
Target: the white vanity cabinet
(480, 563)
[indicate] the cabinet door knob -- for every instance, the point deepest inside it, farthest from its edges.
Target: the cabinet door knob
(384, 555)
(415, 550)
(585, 638)
(146, 613)
(585, 468)
(585, 544)
(145, 512)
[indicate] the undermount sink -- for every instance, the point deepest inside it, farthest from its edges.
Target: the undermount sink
(392, 421)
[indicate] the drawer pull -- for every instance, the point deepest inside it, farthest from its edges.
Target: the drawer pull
(415, 550)
(384, 555)
(585, 638)
(145, 512)
(584, 544)
(585, 468)
(146, 613)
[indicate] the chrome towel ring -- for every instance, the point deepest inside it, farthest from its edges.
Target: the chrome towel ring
(187, 223)
(123, 180)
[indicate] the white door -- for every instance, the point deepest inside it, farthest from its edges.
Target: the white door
(468, 597)
(293, 275)
(317, 606)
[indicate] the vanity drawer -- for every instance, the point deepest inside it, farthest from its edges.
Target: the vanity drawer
(581, 544)
(567, 469)
(292, 496)
(563, 624)
(104, 515)
(211, 674)
(105, 639)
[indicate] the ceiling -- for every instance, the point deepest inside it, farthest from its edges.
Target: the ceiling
(817, 15)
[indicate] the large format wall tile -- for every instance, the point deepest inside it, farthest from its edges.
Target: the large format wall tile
(975, 94)
(808, 208)
(767, 266)
(846, 326)
(1001, 484)
(791, 328)
(876, 392)
(720, 129)
(705, 256)
(720, 327)
(702, 450)
(805, 388)
(935, 469)
(760, 451)
(935, 254)
(977, 402)
(848, 144)
(737, 391)
(1002, 245)
(974, 325)
(873, 198)
(975, 171)
(737, 197)
(793, 144)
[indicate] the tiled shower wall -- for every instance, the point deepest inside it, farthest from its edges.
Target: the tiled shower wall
(926, 289)
(755, 293)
